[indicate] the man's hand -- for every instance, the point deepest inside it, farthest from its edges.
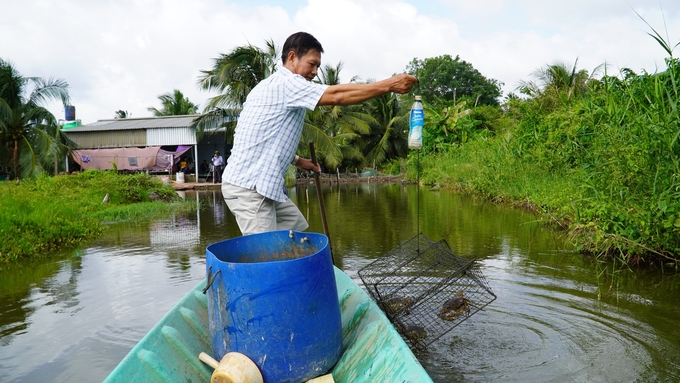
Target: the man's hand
(402, 83)
(307, 165)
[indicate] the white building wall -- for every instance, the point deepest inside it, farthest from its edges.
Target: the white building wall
(170, 136)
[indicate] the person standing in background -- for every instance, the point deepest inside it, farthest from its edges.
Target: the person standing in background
(217, 162)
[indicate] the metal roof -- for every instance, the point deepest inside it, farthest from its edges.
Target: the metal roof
(137, 123)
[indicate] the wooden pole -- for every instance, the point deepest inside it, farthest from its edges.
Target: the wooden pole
(320, 197)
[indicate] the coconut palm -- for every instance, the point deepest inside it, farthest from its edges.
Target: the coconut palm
(334, 128)
(121, 114)
(63, 145)
(558, 80)
(174, 104)
(25, 142)
(234, 75)
(387, 138)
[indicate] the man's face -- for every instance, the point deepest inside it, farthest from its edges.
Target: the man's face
(307, 65)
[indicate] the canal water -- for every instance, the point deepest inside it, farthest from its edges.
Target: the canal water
(558, 316)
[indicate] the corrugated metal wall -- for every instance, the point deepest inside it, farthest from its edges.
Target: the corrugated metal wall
(109, 139)
(137, 137)
(170, 136)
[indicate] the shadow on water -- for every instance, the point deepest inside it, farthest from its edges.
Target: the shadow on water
(74, 316)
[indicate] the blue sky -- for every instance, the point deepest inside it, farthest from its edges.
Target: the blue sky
(123, 54)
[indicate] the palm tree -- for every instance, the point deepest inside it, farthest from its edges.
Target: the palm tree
(174, 104)
(121, 114)
(63, 145)
(334, 128)
(233, 75)
(558, 80)
(387, 138)
(24, 122)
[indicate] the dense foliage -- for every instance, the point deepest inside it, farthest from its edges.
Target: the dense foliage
(595, 153)
(446, 78)
(48, 213)
(173, 104)
(599, 156)
(30, 139)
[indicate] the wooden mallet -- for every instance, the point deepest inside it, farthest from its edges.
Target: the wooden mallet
(233, 368)
(238, 368)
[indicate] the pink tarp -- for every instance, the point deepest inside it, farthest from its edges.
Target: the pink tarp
(150, 158)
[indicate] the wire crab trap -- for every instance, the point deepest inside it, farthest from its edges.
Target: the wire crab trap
(425, 289)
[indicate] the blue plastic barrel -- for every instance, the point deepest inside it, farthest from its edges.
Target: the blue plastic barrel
(274, 299)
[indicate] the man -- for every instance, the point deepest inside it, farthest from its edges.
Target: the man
(269, 129)
(217, 162)
(183, 165)
(204, 168)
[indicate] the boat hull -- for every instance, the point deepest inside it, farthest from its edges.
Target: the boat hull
(373, 351)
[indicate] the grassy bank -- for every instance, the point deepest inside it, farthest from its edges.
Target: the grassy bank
(48, 213)
(601, 160)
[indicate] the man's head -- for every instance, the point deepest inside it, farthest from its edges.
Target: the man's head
(217, 153)
(302, 54)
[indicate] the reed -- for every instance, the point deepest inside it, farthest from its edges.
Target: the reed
(605, 165)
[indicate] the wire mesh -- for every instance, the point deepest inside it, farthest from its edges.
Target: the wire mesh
(389, 267)
(425, 289)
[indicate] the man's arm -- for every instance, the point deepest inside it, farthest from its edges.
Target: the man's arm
(349, 94)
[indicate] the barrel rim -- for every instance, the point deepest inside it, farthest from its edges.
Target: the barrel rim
(324, 245)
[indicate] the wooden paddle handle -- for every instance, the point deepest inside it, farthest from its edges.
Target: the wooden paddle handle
(328, 378)
(233, 368)
(207, 359)
(319, 195)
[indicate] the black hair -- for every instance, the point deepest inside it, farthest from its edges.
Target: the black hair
(300, 43)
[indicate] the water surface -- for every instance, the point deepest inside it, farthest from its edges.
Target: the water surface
(559, 316)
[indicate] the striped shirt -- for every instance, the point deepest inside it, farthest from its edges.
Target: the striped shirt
(268, 132)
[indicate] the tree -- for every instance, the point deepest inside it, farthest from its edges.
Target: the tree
(334, 128)
(558, 78)
(452, 79)
(122, 114)
(233, 75)
(25, 140)
(387, 138)
(558, 84)
(174, 104)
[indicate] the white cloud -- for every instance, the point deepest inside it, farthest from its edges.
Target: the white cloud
(123, 54)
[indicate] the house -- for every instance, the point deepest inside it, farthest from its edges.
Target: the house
(142, 144)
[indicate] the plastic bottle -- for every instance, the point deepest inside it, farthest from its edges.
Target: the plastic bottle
(415, 134)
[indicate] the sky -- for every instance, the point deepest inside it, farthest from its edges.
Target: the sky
(124, 54)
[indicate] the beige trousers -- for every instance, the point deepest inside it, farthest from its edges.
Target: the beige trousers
(256, 213)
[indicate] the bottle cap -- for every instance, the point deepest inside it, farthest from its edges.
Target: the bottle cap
(418, 98)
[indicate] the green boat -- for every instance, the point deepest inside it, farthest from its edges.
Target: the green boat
(373, 351)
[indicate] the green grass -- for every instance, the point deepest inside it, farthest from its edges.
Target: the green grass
(48, 213)
(605, 166)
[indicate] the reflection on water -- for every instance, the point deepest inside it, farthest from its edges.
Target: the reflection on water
(546, 329)
(73, 317)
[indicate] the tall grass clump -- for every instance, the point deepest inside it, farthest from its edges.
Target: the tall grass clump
(632, 165)
(47, 213)
(599, 156)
